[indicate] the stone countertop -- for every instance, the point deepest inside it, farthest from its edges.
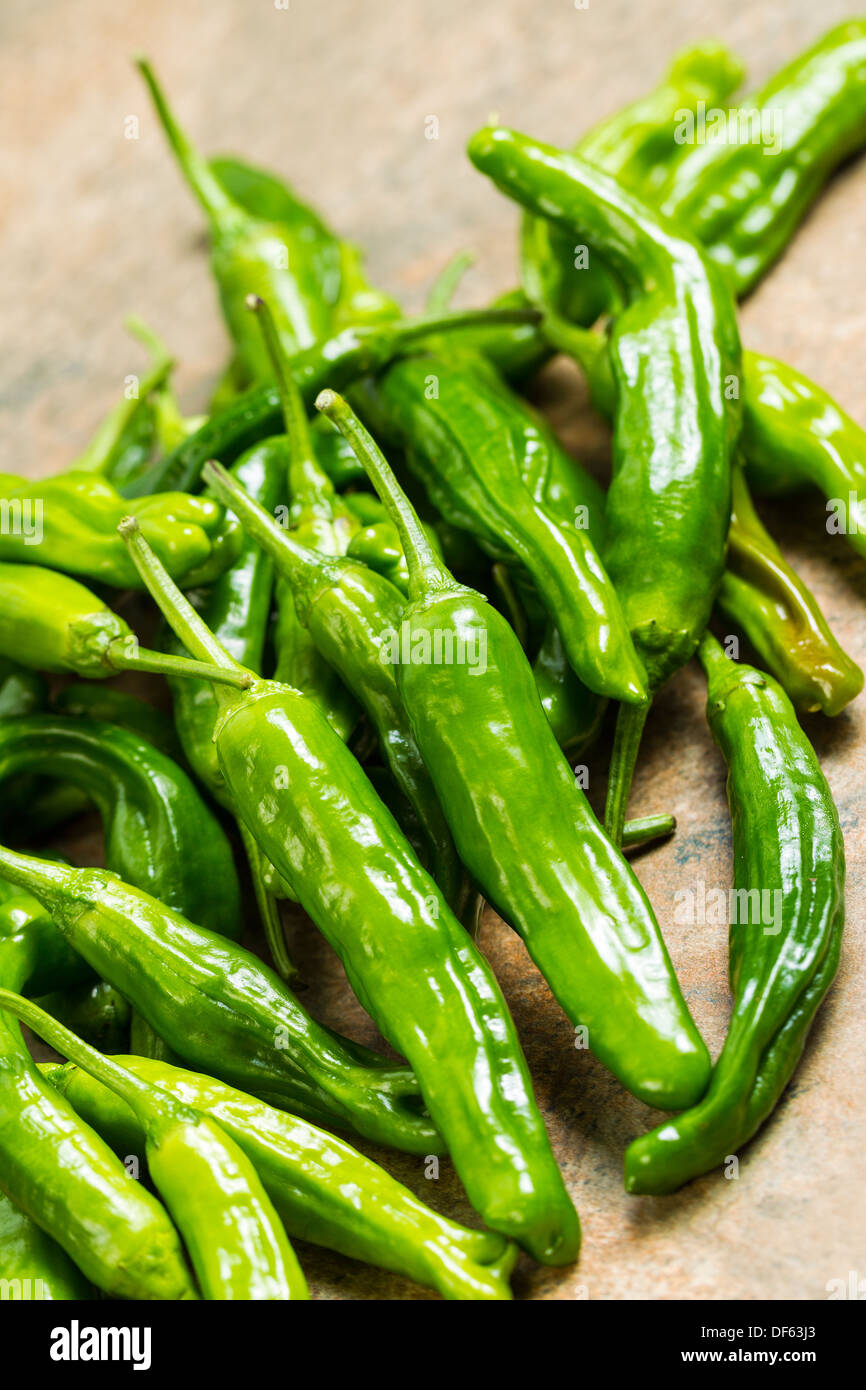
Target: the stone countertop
(337, 95)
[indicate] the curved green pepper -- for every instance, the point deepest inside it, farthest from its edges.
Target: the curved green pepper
(675, 358)
(70, 523)
(743, 198)
(794, 434)
(56, 1169)
(528, 837)
(52, 623)
(789, 878)
(159, 834)
(219, 1008)
(309, 805)
(780, 617)
(324, 1190)
(236, 1242)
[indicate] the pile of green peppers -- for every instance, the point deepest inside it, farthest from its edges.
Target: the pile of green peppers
(393, 613)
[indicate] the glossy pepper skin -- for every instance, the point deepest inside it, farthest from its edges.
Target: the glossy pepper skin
(528, 837)
(35, 1265)
(764, 597)
(21, 691)
(78, 517)
(310, 807)
(794, 435)
(675, 358)
(788, 848)
(56, 1169)
(351, 613)
(218, 1007)
(468, 444)
(235, 1240)
(349, 355)
(762, 188)
(638, 146)
(159, 834)
(324, 1190)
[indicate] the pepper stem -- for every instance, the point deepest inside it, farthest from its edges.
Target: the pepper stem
(182, 618)
(98, 454)
(630, 723)
(308, 482)
(124, 654)
(138, 1094)
(196, 170)
(427, 573)
(290, 557)
(645, 829)
(712, 656)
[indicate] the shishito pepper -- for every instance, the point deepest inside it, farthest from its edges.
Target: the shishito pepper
(235, 1239)
(527, 834)
(763, 596)
(324, 1190)
(70, 523)
(675, 358)
(53, 1166)
(50, 622)
(349, 612)
(310, 807)
(785, 936)
(219, 1008)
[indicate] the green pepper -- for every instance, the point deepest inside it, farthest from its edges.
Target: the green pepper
(675, 358)
(75, 517)
(318, 820)
(34, 1265)
(789, 882)
(219, 1008)
(52, 1166)
(324, 1190)
(638, 146)
(780, 617)
(468, 442)
(52, 623)
(159, 834)
(348, 356)
(743, 198)
(236, 1242)
(349, 612)
(528, 836)
(794, 434)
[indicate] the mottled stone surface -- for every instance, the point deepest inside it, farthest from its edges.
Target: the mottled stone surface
(336, 94)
